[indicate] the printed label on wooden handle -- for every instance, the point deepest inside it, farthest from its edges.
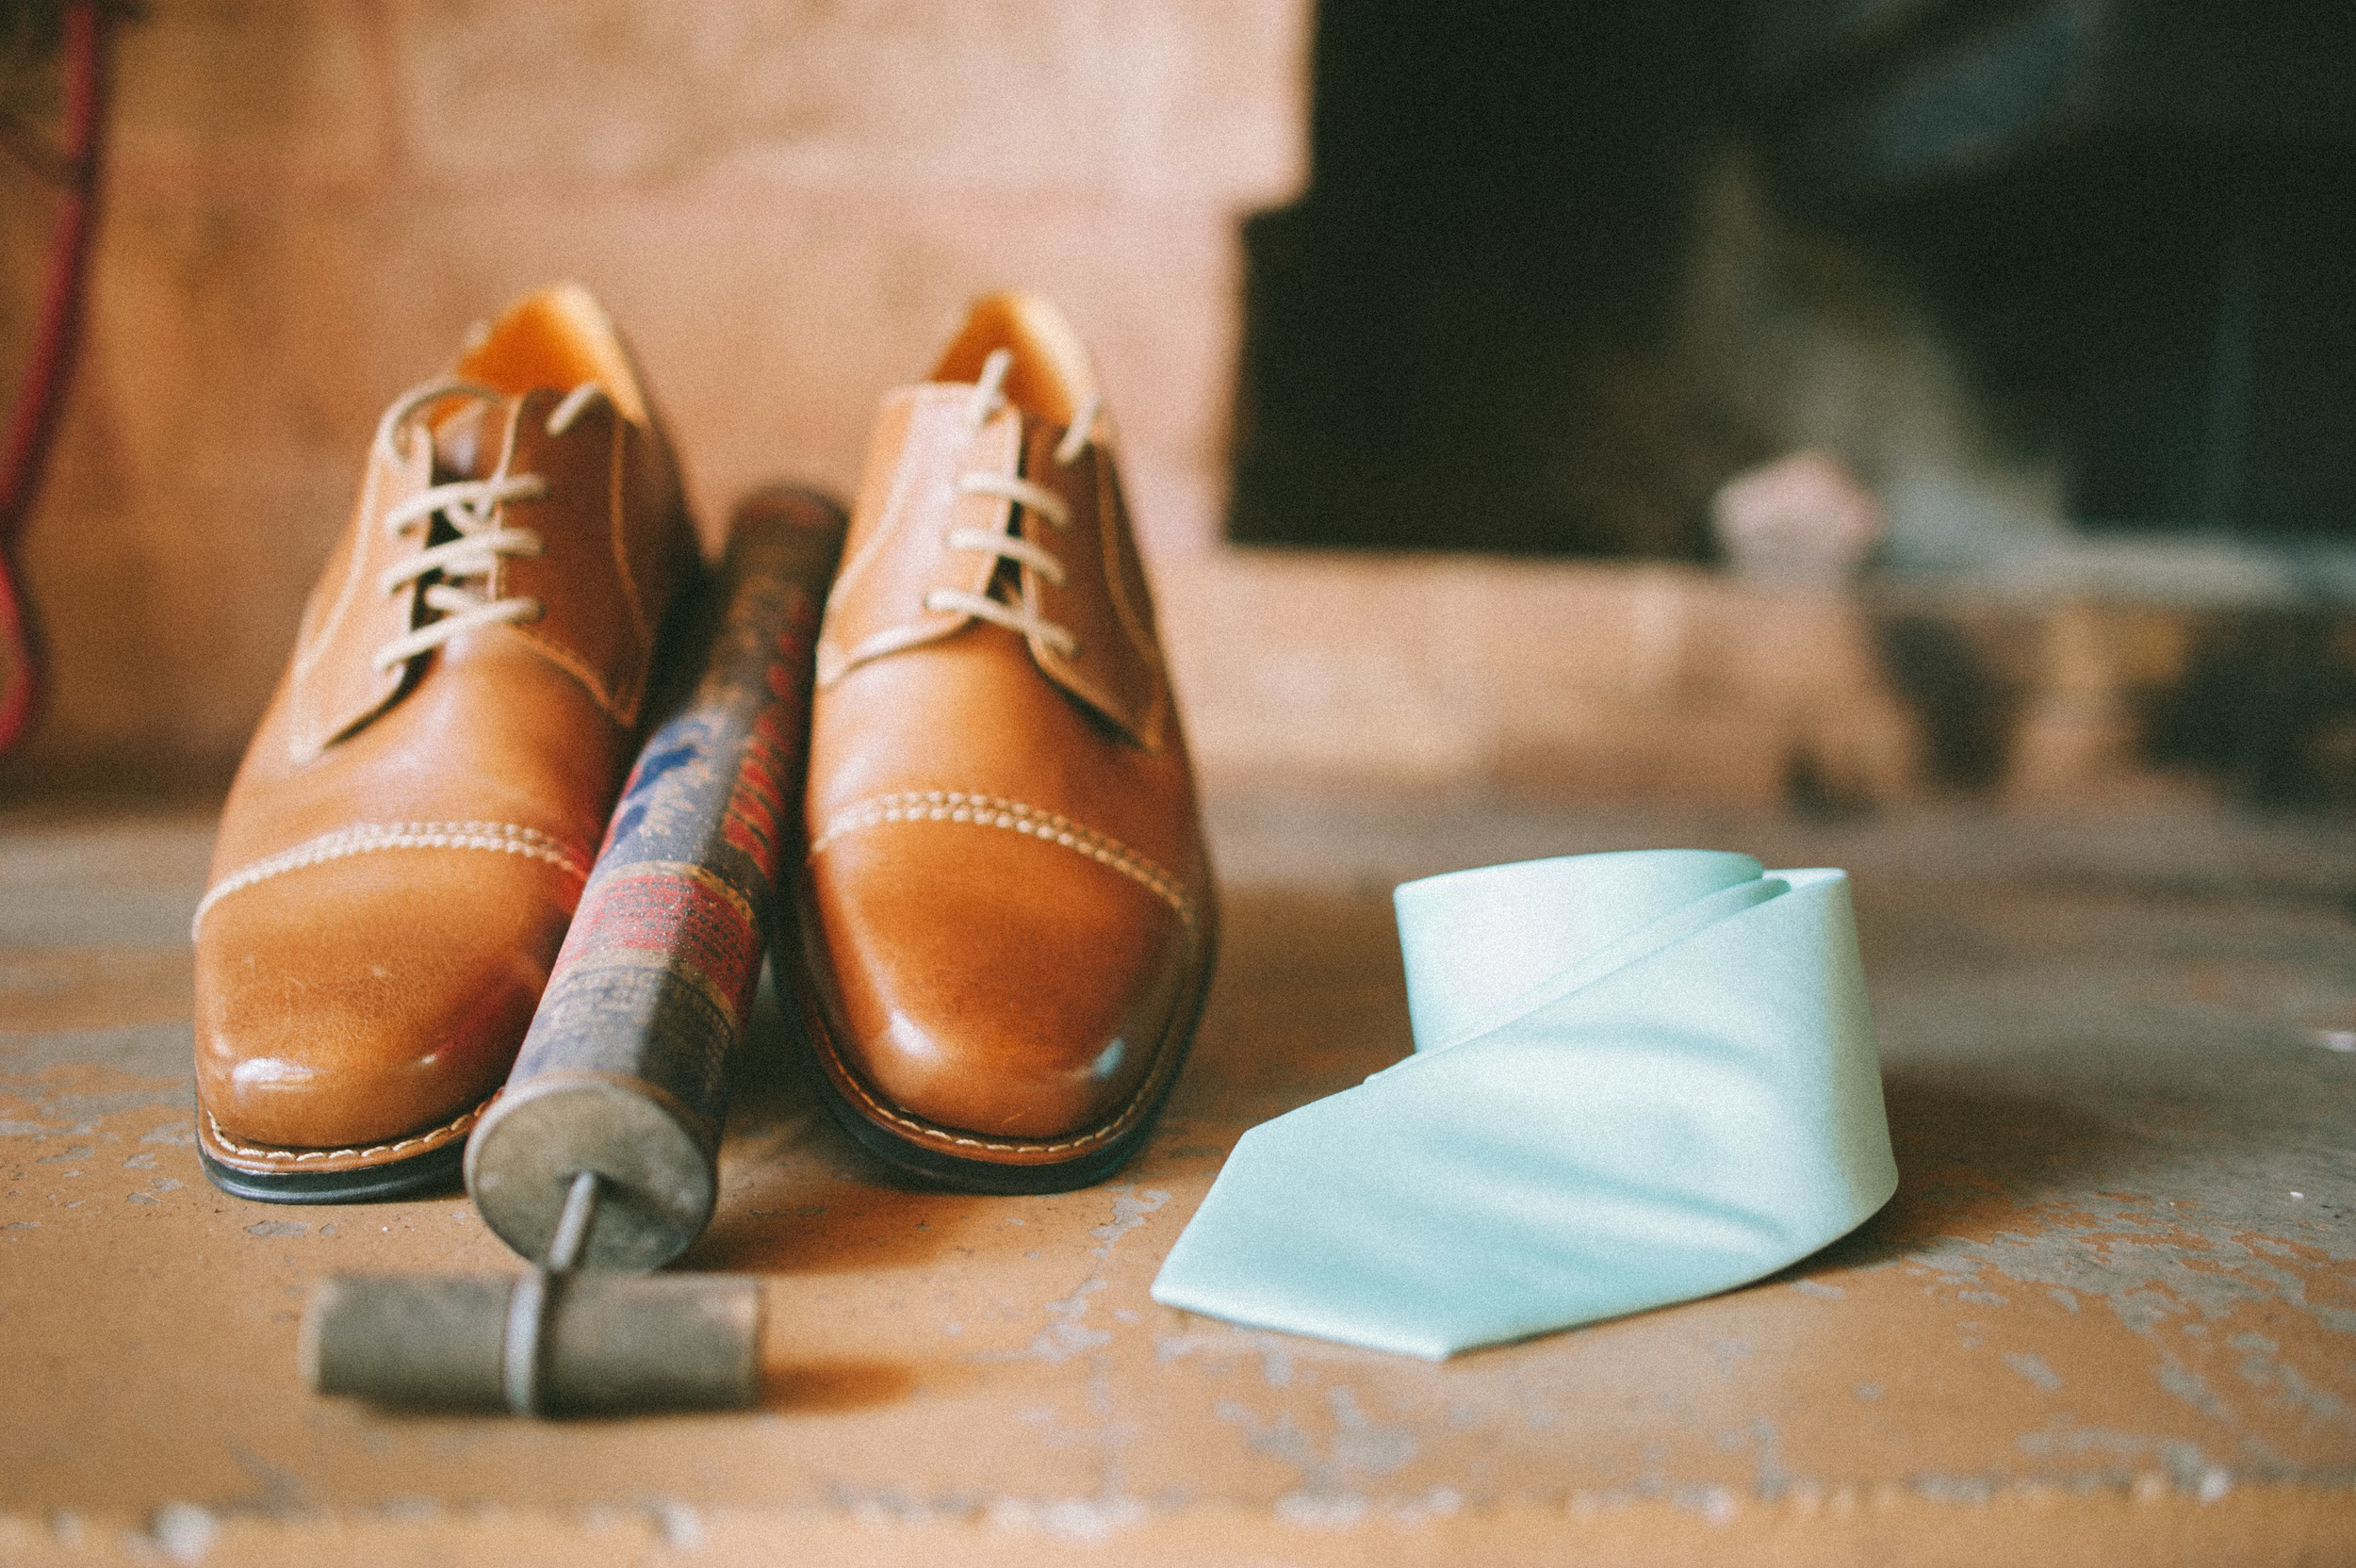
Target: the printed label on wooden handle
(656, 977)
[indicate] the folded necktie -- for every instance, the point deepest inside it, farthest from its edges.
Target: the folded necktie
(1639, 1078)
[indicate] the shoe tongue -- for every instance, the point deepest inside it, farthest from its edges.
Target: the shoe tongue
(467, 442)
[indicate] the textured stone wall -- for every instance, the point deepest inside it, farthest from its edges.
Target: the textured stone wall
(1469, 679)
(786, 205)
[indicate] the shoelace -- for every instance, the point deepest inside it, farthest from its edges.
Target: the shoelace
(471, 509)
(988, 397)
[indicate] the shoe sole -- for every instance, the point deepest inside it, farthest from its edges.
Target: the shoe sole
(426, 1175)
(936, 1167)
(430, 1172)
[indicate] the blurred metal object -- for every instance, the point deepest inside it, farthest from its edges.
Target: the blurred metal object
(1802, 521)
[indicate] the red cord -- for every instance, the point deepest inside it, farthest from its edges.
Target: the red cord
(33, 421)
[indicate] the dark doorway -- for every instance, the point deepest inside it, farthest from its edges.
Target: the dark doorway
(1439, 335)
(2130, 219)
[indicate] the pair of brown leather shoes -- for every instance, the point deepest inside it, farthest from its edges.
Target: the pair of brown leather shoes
(1005, 911)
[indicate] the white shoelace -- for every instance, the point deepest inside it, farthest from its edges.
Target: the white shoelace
(988, 397)
(471, 508)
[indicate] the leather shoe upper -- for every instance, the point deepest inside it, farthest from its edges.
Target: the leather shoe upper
(1007, 909)
(414, 820)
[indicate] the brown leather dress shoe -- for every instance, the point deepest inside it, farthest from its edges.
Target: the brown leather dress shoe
(403, 846)
(1006, 911)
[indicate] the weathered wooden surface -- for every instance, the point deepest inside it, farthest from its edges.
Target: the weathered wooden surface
(2111, 1315)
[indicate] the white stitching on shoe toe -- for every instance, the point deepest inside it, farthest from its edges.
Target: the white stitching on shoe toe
(957, 806)
(365, 837)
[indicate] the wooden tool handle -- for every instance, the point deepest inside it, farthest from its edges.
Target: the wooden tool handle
(624, 1072)
(600, 1344)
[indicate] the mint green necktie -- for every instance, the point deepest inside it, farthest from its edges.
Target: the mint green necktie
(1639, 1078)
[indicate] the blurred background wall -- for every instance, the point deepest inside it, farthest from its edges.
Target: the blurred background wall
(1600, 402)
(786, 205)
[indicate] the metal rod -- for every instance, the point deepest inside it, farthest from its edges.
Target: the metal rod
(521, 1352)
(525, 1348)
(572, 1226)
